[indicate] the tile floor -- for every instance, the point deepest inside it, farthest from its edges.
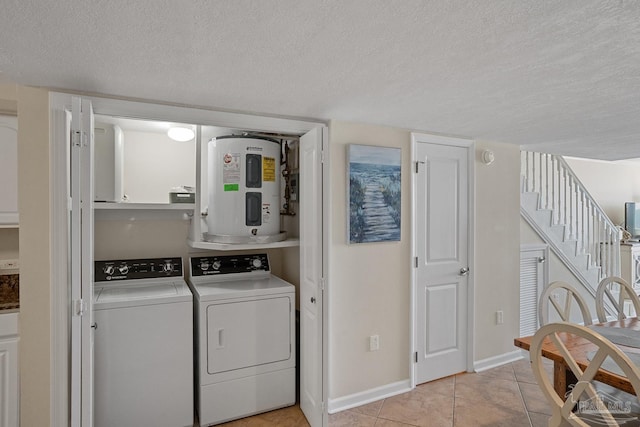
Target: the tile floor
(505, 396)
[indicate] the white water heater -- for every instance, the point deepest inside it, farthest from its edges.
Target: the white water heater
(244, 190)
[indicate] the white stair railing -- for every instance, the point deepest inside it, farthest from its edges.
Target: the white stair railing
(572, 206)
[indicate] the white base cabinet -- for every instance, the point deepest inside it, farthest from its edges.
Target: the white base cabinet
(9, 389)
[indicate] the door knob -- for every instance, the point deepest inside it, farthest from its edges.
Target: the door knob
(464, 271)
(313, 300)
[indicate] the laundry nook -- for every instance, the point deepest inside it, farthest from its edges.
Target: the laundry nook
(201, 235)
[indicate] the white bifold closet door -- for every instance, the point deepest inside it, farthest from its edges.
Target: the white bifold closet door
(81, 262)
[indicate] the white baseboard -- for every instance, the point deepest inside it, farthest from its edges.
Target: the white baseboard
(495, 361)
(368, 396)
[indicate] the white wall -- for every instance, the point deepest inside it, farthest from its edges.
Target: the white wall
(154, 163)
(610, 183)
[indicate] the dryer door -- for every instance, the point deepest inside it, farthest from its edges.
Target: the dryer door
(248, 333)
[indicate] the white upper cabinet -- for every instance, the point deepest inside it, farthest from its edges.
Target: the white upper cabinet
(8, 171)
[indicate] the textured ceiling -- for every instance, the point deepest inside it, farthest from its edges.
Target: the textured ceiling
(561, 75)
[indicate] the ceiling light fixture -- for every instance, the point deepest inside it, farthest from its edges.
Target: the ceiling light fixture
(180, 134)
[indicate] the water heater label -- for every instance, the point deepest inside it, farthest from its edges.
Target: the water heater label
(266, 213)
(231, 171)
(268, 169)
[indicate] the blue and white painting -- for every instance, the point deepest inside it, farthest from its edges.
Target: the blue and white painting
(374, 193)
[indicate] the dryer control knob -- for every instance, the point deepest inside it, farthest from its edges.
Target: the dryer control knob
(123, 269)
(257, 263)
(109, 270)
(204, 265)
(167, 267)
(216, 265)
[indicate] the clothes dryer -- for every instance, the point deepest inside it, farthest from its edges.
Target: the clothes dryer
(245, 337)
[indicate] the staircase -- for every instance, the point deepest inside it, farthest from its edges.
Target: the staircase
(558, 207)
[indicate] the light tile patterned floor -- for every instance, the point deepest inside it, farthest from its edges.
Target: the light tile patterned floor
(505, 396)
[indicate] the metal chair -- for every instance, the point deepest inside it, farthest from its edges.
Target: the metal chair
(570, 295)
(608, 287)
(584, 404)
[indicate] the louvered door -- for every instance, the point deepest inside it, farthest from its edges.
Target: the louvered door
(533, 274)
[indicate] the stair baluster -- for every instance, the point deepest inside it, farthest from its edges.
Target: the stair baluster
(572, 207)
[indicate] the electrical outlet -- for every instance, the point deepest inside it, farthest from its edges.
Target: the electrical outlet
(9, 264)
(499, 317)
(374, 342)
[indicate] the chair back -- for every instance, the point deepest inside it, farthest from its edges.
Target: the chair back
(616, 290)
(571, 295)
(583, 404)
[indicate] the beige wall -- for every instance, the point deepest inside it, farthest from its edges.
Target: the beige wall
(35, 280)
(610, 183)
(497, 244)
(370, 283)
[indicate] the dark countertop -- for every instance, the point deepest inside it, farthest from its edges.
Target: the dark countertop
(9, 291)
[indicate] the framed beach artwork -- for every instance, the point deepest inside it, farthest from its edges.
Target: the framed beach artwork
(374, 194)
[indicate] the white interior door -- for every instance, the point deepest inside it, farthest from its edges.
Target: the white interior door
(311, 276)
(441, 245)
(81, 263)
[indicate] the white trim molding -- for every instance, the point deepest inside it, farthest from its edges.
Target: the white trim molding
(495, 361)
(368, 396)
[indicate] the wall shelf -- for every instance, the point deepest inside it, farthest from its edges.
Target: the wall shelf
(144, 206)
(148, 211)
(291, 242)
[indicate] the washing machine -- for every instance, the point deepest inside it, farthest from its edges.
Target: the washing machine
(245, 337)
(143, 344)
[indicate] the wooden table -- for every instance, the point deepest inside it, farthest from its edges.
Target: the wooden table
(579, 349)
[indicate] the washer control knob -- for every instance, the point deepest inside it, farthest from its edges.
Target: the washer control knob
(123, 269)
(257, 262)
(217, 264)
(167, 267)
(109, 270)
(204, 265)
